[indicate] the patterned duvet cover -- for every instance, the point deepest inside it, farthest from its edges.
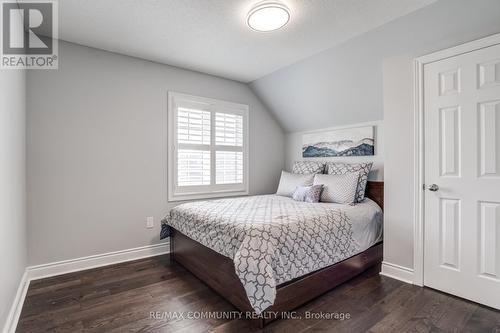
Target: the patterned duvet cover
(274, 239)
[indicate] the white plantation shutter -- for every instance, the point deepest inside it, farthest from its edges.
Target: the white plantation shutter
(193, 167)
(229, 166)
(193, 126)
(228, 129)
(193, 160)
(229, 133)
(208, 153)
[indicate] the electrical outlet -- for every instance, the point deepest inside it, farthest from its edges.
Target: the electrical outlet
(150, 222)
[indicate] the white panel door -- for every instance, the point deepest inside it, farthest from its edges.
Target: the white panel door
(462, 175)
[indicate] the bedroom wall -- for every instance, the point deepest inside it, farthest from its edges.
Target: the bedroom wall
(343, 85)
(97, 150)
(13, 246)
(293, 150)
(367, 79)
(399, 162)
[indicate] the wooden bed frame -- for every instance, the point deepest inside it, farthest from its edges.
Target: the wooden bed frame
(217, 271)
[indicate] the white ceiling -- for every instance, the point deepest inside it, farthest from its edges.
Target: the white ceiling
(211, 35)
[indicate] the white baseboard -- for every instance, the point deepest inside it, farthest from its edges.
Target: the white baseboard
(397, 272)
(99, 260)
(74, 265)
(17, 305)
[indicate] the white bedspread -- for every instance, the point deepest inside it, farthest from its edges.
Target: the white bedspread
(274, 239)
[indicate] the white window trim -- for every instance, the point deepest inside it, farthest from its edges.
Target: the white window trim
(175, 193)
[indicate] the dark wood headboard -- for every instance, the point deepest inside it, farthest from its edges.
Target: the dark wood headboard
(375, 191)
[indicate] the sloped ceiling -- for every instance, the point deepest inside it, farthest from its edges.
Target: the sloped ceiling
(211, 35)
(343, 85)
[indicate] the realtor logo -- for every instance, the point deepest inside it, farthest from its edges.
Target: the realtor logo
(29, 34)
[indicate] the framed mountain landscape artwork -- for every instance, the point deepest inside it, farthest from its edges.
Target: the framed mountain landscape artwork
(357, 141)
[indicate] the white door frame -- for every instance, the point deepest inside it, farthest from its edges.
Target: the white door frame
(419, 149)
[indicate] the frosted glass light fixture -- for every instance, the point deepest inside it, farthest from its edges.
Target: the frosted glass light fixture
(268, 16)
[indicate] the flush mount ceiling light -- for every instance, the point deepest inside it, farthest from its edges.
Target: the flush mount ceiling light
(268, 16)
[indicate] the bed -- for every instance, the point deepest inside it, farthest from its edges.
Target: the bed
(268, 254)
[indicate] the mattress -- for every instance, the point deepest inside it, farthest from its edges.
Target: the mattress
(273, 239)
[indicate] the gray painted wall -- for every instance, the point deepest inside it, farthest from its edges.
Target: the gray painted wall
(399, 161)
(12, 186)
(97, 128)
(369, 78)
(343, 85)
(97, 150)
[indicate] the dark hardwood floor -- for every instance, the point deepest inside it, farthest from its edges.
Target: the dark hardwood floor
(138, 296)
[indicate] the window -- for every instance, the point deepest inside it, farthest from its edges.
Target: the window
(207, 148)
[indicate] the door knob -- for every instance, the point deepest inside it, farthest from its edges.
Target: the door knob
(433, 188)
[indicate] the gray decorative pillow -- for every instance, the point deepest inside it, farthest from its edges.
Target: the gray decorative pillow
(338, 188)
(334, 168)
(308, 193)
(308, 167)
(290, 181)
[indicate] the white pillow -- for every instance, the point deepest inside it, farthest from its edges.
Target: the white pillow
(290, 181)
(338, 188)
